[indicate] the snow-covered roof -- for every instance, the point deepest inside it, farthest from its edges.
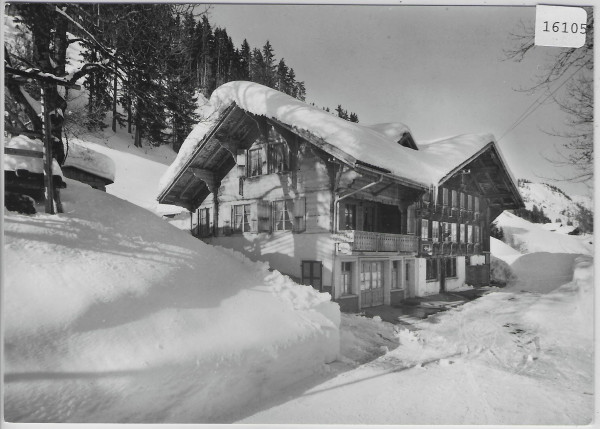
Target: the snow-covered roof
(31, 164)
(375, 145)
(90, 161)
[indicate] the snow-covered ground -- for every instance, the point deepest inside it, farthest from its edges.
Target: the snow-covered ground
(112, 315)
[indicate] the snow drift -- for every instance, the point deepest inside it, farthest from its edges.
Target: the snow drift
(111, 315)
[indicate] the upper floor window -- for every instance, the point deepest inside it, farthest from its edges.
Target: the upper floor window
(469, 202)
(469, 233)
(476, 234)
(349, 216)
(410, 220)
(454, 198)
(279, 157)
(424, 229)
(476, 200)
(454, 233)
(435, 231)
(283, 215)
(445, 196)
(462, 200)
(255, 162)
(289, 215)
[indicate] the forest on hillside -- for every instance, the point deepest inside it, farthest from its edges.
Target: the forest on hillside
(143, 65)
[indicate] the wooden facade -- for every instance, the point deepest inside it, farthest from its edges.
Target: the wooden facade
(367, 237)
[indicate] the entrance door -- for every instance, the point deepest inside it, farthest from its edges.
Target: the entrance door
(371, 283)
(312, 274)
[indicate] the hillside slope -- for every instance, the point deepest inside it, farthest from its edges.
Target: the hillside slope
(112, 315)
(555, 203)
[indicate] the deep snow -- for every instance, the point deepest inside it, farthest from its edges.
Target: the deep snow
(112, 315)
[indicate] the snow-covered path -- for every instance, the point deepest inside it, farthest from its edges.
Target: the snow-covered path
(506, 358)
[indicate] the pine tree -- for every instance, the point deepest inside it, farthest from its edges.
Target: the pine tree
(353, 117)
(268, 65)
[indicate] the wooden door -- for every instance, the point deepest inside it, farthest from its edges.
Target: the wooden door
(371, 283)
(312, 274)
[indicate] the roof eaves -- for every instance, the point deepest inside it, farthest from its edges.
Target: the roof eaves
(197, 151)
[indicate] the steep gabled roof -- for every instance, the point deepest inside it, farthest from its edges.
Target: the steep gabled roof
(377, 147)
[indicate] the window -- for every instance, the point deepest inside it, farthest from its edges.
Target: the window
(463, 231)
(476, 234)
(469, 233)
(410, 220)
(369, 219)
(444, 196)
(454, 198)
(279, 157)
(255, 162)
(454, 232)
(264, 216)
(371, 275)
(346, 278)
(445, 231)
(204, 222)
(312, 274)
(462, 200)
(435, 231)
(476, 203)
(450, 267)
(431, 269)
(396, 275)
(349, 216)
(283, 215)
(469, 202)
(240, 216)
(424, 229)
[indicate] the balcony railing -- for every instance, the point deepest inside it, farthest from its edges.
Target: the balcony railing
(382, 242)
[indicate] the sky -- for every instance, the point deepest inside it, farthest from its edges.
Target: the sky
(441, 70)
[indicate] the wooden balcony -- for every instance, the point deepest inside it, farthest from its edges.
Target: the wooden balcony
(365, 241)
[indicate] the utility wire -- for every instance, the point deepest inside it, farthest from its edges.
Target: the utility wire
(529, 109)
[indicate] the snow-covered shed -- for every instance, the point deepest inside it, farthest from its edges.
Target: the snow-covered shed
(362, 212)
(88, 166)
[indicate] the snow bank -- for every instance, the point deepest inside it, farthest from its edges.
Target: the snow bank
(376, 145)
(528, 237)
(90, 161)
(111, 315)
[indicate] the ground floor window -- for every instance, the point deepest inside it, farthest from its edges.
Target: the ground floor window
(312, 274)
(431, 269)
(371, 275)
(346, 278)
(396, 275)
(450, 267)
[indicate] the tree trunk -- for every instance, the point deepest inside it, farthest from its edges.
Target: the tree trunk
(114, 104)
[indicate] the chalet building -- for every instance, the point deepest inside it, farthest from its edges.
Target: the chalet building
(363, 213)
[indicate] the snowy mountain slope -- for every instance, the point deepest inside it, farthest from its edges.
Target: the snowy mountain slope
(112, 315)
(555, 203)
